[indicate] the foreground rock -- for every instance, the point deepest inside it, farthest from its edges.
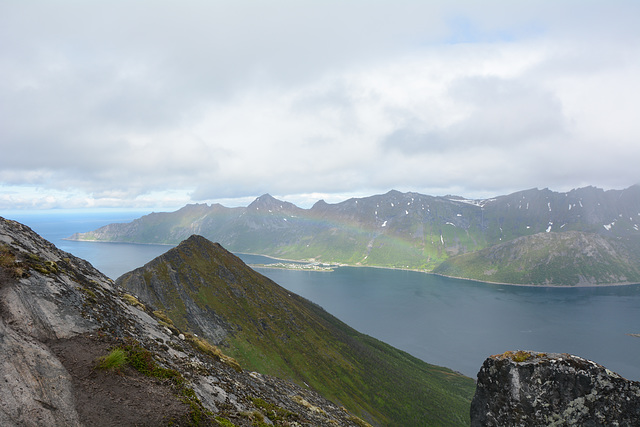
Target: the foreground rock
(526, 388)
(59, 316)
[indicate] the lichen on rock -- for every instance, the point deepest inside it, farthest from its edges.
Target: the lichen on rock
(529, 388)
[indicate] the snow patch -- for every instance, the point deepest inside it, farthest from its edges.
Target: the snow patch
(479, 203)
(549, 227)
(406, 212)
(384, 224)
(450, 223)
(549, 205)
(441, 239)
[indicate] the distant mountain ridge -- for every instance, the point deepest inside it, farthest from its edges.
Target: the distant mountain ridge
(400, 230)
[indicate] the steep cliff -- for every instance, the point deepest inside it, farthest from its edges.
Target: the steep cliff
(60, 319)
(530, 389)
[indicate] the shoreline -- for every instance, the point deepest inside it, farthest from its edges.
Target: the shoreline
(338, 264)
(117, 241)
(303, 267)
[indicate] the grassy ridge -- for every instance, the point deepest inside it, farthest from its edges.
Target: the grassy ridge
(273, 331)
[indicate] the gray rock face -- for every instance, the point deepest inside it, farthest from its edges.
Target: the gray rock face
(527, 388)
(58, 315)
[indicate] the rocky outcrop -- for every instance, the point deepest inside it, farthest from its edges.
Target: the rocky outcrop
(530, 389)
(58, 316)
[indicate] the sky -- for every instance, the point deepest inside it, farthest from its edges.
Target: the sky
(156, 104)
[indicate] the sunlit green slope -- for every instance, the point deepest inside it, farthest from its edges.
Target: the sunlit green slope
(212, 293)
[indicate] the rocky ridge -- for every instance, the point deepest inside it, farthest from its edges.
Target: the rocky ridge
(526, 388)
(59, 315)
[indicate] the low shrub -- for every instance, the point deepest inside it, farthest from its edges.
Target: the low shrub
(115, 360)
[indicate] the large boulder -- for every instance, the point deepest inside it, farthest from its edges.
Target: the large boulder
(527, 388)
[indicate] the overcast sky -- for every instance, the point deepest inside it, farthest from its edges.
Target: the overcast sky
(162, 103)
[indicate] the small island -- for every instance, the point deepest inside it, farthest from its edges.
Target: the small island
(297, 266)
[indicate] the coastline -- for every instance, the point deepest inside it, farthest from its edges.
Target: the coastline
(117, 241)
(338, 264)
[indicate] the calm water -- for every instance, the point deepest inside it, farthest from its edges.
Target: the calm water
(449, 322)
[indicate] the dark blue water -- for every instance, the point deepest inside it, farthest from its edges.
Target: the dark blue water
(449, 322)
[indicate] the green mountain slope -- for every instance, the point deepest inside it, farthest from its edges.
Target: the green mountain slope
(205, 289)
(571, 258)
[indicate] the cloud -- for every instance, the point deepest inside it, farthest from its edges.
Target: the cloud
(159, 103)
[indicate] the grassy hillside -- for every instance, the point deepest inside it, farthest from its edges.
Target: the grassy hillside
(571, 258)
(204, 288)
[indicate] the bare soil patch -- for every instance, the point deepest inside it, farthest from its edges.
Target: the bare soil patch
(112, 398)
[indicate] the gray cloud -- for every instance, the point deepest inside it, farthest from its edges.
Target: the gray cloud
(161, 103)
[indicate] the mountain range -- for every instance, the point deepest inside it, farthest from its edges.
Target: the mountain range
(448, 235)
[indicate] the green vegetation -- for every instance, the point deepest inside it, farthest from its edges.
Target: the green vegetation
(569, 259)
(8, 262)
(278, 333)
(213, 351)
(275, 413)
(142, 360)
(115, 360)
(518, 356)
(17, 266)
(131, 300)
(224, 422)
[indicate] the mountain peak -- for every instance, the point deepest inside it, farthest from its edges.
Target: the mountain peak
(208, 291)
(268, 203)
